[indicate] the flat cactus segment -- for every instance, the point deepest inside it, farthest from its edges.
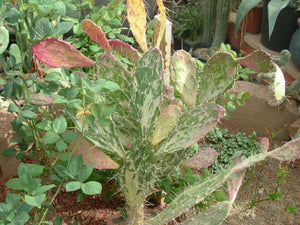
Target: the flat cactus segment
(166, 122)
(257, 61)
(162, 24)
(234, 183)
(147, 91)
(213, 215)
(92, 154)
(103, 137)
(290, 151)
(95, 33)
(265, 144)
(205, 158)
(241, 166)
(218, 73)
(279, 84)
(125, 50)
(183, 74)
(136, 15)
(110, 68)
(192, 125)
(191, 196)
(57, 53)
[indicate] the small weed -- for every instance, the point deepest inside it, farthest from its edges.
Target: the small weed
(292, 208)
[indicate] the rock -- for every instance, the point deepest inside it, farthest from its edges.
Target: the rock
(259, 116)
(8, 166)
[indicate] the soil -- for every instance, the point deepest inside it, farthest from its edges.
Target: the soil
(258, 183)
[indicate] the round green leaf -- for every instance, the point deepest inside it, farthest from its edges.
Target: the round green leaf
(61, 145)
(35, 200)
(29, 114)
(91, 188)
(50, 138)
(73, 186)
(4, 39)
(60, 124)
(9, 152)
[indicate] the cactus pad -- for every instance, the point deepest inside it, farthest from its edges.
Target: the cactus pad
(92, 154)
(57, 53)
(95, 33)
(258, 61)
(205, 158)
(147, 91)
(183, 74)
(165, 123)
(213, 215)
(136, 15)
(192, 125)
(288, 152)
(218, 73)
(125, 50)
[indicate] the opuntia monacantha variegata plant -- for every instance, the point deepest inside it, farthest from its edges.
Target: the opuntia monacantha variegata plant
(155, 122)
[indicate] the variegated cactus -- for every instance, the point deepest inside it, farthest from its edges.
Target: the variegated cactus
(155, 122)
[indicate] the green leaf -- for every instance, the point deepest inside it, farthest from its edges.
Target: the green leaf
(76, 165)
(16, 53)
(29, 114)
(4, 39)
(44, 125)
(15, 184)
(230, 106)
(243, 9)
(35, 201)
(50, 138)
(73, 186)
(58, 220)
(91, 188)
(43, 189)
(43, 28)
(33, 169)
(274, 8)
(54, 76)
(70, 137)
(9, 152)
(63, 27)
(61, 145)
(85, 173)
(60, 124)
(112, 86)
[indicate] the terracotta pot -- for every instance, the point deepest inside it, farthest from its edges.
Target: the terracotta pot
(253, 20)
(8, 166)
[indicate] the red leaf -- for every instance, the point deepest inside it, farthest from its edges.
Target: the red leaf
(57, 53)
(95, 33)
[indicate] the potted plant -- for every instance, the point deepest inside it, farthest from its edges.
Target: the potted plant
(188, 24)
(295, 46)
(278, 24)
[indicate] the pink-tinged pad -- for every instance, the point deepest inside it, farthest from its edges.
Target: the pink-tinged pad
(264, 144)
(125, 50)
(57, 53)
(235, 182)
(290, 151)
(95, 33)
(205, 158)
(92, 154)
(257, 61)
